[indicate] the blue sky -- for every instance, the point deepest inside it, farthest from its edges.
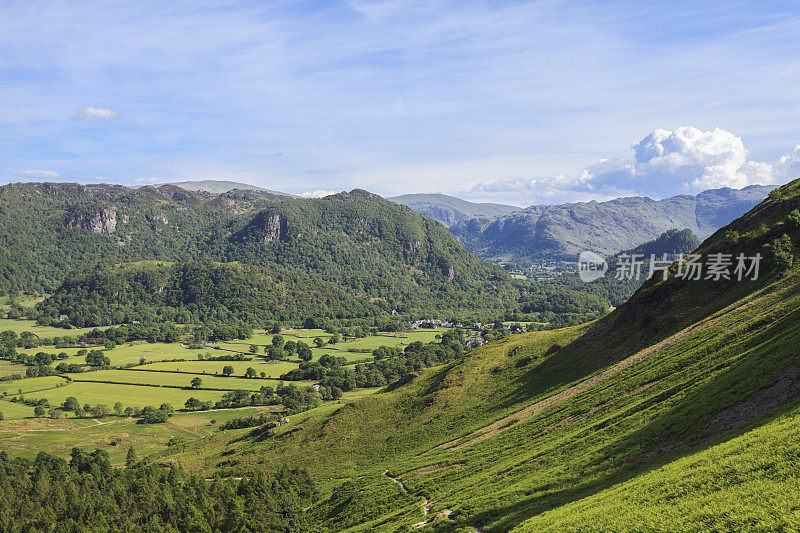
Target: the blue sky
(520, 102)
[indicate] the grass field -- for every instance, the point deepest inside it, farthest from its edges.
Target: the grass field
(25, 438)
(24, 301)
(8, 369)
(31, 384)
(155, 351)
(172, 379)
(273, 370)
(130, 395)
(14, 410)
(18, 326)
(176, 365)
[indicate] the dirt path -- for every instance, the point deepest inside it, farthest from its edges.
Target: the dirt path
(426, 505)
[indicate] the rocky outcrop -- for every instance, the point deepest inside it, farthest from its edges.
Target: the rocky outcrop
(276, 228)
(103, 222)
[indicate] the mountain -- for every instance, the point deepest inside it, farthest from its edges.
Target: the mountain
(346, 256)
(678, 411)
(559, 232)
(449, 210)
(219, 187)
(50, 229)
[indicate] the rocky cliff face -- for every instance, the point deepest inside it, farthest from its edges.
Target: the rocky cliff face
(103, 222)
(276, 228)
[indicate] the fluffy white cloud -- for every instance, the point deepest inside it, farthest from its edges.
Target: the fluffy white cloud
(695, 159)
(319, 193)
(664, 163)
(39, 174)
(97, 112)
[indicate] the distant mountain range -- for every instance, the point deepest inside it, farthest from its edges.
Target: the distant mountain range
(559, 232)
(220, 187)
(450, 210)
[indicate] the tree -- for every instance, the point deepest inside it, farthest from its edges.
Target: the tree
(253, 349)
(290, 347)
(101, 411)
(305, 354)
(39, 411)
(2, 416)
(167, 408)
(779, 254)
(319, 342)
(118, 408)
(131, 458)
(278, 341)
(227, 370)
(334, 339)
(96, 358)
(197, 382)
(250, 372)
(193, 404)
(151, 415)
(275, 328)
(71, 404)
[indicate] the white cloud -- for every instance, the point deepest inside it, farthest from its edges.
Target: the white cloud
(147, 180)
(319, 193)
(696, 160)
(97, 112)
(664, 163)
(39, 174)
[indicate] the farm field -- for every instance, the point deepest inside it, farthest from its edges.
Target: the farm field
(8, 369)
(152, 351)
(171, 379)
(273, 369)
(14, 410)
(166, 376)
(130, 395)
(31, 384)
(19, 325)
(25, 438)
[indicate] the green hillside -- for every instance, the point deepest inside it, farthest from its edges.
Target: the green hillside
(48, 230)
(348, 256)
(564, 429)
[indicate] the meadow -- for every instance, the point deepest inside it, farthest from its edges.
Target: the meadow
(172, 379)
(144, 373)
(25, 438)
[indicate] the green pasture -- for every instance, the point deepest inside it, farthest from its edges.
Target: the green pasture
(31, 384)
(273, 369)
(18, 326)
(160, 379)
(7, 368)
(12, 410)
(25, 438)
(130, 395)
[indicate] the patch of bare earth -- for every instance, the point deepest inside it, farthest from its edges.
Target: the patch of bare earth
(785, 388)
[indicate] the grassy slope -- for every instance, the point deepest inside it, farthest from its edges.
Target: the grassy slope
(751, 482)
(656, 380)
